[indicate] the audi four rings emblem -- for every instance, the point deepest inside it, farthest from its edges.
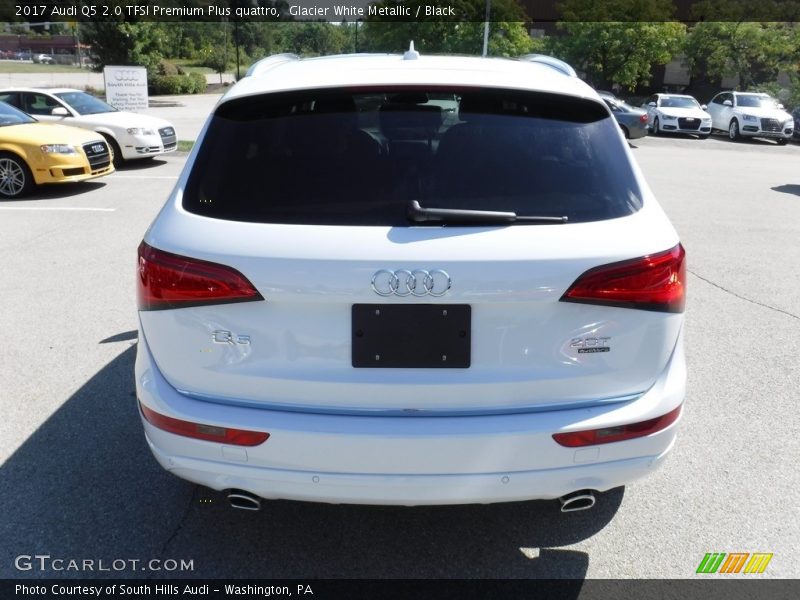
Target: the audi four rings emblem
(127, 75)
(411, 283)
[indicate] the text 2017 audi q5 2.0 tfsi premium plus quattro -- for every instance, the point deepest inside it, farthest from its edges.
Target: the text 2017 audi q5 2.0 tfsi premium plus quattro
(411, 280)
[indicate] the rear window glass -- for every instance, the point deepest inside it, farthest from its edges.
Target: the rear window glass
(360, 157)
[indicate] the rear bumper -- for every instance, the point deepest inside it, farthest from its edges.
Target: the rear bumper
(409, 460)
(409, 490)
(636, 130)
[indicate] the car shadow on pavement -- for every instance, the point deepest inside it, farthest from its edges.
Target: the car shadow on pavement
(85, 486)
(680, 136)
(61, 190)
(141, 164)
(125, 336)
(787, 188)
(751, 141)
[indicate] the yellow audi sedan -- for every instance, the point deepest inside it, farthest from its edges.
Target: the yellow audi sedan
(33, 153)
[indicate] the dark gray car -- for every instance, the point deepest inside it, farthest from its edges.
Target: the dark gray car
(632, 121)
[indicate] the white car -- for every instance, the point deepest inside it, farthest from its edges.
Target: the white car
(353, 297)
(750, 114)
(130, 135)
(677, 113)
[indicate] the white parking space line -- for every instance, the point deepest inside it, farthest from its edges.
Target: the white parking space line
(142, 176)
(81, 208)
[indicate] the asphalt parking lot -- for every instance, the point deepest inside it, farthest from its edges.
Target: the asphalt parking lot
(78, 482)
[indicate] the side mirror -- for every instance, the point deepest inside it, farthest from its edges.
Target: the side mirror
(651, 104)
(728, 103)
(780, 106)
(59, 111)
(704, 106)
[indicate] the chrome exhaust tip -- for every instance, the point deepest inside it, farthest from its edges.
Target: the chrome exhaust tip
(580, 500)
(244, 500)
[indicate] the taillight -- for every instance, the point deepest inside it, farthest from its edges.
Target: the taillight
(166, 280)
(643, 118)
(209, 433)
(655, 282)
(606, 435)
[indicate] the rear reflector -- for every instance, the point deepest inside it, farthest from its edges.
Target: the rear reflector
(166, 280)
(606, 435)
(198, 431)
(655, 282)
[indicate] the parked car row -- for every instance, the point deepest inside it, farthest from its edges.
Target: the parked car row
(737, 114)
(18, 55)
(43, 138)
(131, 136)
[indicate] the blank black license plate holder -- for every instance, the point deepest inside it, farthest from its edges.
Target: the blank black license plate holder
(411, 336)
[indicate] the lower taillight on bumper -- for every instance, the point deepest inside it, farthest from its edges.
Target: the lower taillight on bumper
(200, 431)
(619, 433)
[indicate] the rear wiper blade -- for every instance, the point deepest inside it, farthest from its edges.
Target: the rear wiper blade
(418, 214)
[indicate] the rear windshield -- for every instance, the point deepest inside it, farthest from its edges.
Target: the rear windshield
(360, 157)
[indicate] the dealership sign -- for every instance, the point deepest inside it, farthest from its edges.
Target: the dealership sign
(126, 87)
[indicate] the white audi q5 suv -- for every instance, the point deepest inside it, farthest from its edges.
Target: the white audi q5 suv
(406, 279)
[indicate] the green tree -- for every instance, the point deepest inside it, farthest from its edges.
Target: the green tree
(124, 43)
(461, 34)
(314, 38)
(737, 38)
(752, 52)
(258, 38)
(617, 42)
(217, 50)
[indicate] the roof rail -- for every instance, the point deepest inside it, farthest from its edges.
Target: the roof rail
(552, 62)
(265, 64)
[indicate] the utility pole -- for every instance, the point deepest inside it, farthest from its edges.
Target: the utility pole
(77, 37)
(486, 29)
(236, 41)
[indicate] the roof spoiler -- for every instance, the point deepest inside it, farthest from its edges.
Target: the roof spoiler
(552, 62)
(265, 64)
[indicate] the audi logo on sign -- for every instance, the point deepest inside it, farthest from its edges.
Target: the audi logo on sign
(126, 75)
(411, 283)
